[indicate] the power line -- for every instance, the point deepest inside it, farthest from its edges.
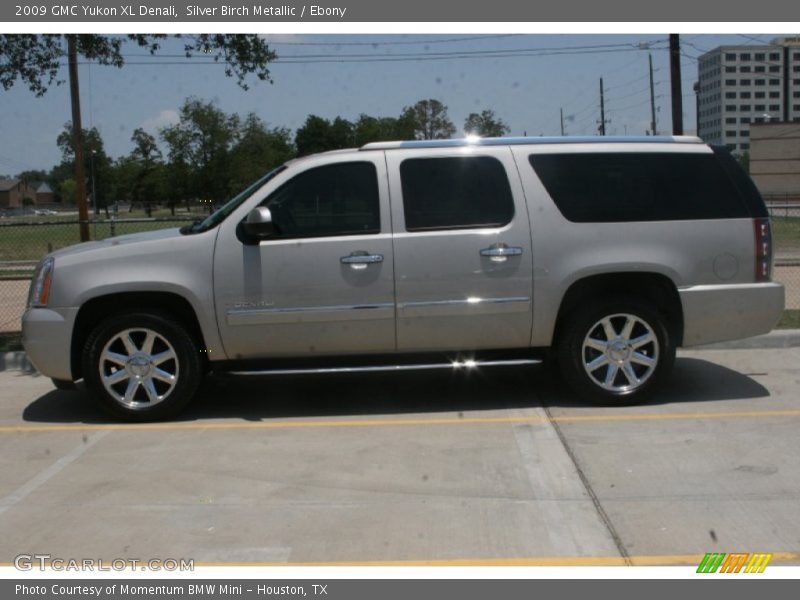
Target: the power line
(421, 58)
(642, 103)
(632, 81)
(646, 89)
(755, 39)
(544, 50)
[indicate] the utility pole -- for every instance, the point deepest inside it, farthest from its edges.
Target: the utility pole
(95, 208)
(562, 122)
(675, 76)
(77, 137)
(602, 110)
(653, 129)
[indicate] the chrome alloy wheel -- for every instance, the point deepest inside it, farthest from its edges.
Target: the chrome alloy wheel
(620, 353)
(138, 368)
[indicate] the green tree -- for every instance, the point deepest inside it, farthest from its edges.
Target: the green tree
(67, 191)
(124, 172)
(485, 124)
(56, 177)
(258, 150)
(32, 176)
(36, 61)
(145, 148)
(97, 164)
(148, 183)
(319, 135)
(199, 148)
(430, 120)
(381, 129)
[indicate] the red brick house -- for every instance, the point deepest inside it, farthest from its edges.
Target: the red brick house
(13, 193)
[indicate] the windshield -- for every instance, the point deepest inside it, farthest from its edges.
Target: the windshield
(219, 215)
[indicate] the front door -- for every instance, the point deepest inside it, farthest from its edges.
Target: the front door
(462, 250)
(324, 283)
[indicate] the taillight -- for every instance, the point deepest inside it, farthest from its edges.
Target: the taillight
(763, 238)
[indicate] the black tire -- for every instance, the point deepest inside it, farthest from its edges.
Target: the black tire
(186, 366)
(575, 359)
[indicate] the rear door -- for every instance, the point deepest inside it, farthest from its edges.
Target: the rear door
(462, 249)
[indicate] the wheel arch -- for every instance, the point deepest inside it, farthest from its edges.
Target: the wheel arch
(97, 309)
(654, 288)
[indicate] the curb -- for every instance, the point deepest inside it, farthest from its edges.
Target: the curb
(780, 338)
(16, 361)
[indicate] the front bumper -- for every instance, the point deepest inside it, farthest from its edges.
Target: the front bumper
(717, 313)
(47, 338)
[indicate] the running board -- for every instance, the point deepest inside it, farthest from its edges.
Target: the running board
(455, 365)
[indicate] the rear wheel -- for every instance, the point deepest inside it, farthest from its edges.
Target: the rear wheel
(142, 366)
(616, 352)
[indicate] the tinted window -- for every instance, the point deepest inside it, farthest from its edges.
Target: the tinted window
(618, 187)
(337, 199)
(448, 193)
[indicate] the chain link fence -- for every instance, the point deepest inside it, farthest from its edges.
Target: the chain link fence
(24, 242)
(785, 213)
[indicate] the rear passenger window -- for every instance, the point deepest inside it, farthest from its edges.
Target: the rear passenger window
(455, 192)
(618, 187)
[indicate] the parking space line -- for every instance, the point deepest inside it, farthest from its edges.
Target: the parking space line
(43, 476)
(399, 422)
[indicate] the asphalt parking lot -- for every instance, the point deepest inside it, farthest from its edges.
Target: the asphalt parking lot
(498, 467)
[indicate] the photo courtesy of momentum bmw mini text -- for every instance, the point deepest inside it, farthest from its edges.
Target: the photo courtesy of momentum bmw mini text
(356, 300)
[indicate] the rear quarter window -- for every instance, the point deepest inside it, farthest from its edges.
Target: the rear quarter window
(623, 187)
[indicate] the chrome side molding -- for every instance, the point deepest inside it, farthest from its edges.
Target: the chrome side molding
(457, 365)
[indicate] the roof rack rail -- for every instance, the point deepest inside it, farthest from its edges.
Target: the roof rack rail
(515, 141)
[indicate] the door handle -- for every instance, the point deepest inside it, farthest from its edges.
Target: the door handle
(500, 252)
(361, 259)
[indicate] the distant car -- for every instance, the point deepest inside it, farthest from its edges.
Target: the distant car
(44, 212)
(456, 254)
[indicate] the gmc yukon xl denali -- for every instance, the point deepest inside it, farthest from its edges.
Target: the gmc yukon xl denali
(602, 254)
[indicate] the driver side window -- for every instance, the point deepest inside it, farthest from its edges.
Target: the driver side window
(337, 199)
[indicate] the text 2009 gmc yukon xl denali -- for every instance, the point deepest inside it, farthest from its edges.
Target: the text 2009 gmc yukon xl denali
(460, 253)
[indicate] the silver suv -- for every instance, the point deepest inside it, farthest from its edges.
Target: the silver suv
(604, 254)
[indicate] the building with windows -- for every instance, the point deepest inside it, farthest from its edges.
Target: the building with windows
(741, 85)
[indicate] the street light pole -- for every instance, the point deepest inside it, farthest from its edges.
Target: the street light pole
(94, 188)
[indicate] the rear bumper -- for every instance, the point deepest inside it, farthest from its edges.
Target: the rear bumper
(47, 337)
(717, 313)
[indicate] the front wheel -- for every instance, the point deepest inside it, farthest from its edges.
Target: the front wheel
(616, 352)
(142, 366)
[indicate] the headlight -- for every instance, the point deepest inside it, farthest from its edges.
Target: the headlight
(41, 283)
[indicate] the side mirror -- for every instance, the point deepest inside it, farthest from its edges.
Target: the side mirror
(258, 224)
